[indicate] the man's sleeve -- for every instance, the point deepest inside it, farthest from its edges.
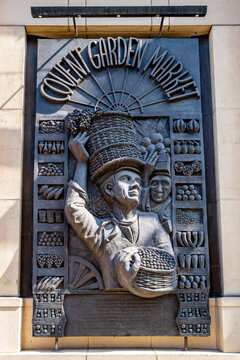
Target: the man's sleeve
(85, 225)
(162, 239)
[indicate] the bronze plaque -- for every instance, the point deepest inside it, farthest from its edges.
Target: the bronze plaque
(120, 315)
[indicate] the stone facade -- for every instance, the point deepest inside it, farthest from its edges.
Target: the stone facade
(221, 23)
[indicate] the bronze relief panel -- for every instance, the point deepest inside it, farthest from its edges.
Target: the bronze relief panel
(120, 218)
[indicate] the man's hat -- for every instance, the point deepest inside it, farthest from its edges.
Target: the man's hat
(112, 144)
(163, 164)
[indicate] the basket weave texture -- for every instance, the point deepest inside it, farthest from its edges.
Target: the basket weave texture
(157, 269)
(112, 137)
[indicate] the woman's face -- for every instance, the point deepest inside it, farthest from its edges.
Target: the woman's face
(160, 188)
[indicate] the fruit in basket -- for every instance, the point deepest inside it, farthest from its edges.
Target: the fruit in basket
(156, 259)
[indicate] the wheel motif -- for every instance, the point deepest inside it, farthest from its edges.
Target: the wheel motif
(83, 275)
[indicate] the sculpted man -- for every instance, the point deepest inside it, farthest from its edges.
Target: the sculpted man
(157, 188)
(114, 240)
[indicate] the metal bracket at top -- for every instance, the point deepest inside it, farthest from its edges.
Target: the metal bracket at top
(118, 11)
(160, 28)
(75, 28)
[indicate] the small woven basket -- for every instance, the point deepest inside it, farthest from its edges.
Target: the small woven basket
(112, 143)
(157, 270)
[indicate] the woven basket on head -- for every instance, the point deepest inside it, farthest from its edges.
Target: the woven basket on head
(112, 144)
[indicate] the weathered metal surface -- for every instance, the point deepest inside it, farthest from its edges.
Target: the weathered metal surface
(50, 227)
(114, 11)
(160, 88)
(120, 315)
(48, 313)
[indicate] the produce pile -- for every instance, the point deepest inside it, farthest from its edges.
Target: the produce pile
(50, 170)
(184, 218)
(79, 121)
(154, 142)
(51, 192)
(49, 261)
(51, 126)
(182, 126)
(188, 192)
(155, 259)
(188, 168)
(50, 216)
(194, 282)
(190, 238)
(187, 147)
(51, 147)
(50, 239)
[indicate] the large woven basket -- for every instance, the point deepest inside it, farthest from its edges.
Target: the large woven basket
(112, 144)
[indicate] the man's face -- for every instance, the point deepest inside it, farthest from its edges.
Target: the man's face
(126, 188)
(160, 187)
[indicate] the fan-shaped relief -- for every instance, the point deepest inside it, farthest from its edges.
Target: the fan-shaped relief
(83, 275)
(135, 76)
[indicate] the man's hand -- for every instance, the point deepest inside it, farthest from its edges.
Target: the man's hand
(150, 163)
(127, 263)
(76, 145)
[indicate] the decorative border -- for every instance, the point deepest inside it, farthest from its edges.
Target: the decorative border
(50, 235)
(190, 234)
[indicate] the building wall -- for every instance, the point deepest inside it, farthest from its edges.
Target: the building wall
(222, 24)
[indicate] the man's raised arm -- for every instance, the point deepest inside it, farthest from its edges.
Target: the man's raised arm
(82, 221)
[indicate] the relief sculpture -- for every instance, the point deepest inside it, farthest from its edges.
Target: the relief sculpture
(131, 246)
(120, 217)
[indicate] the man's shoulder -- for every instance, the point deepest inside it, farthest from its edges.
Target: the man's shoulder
(150, 224)
(147, 215)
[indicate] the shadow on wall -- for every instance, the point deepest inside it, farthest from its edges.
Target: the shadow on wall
(9, 247)
(10, 155)
(6, 102)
